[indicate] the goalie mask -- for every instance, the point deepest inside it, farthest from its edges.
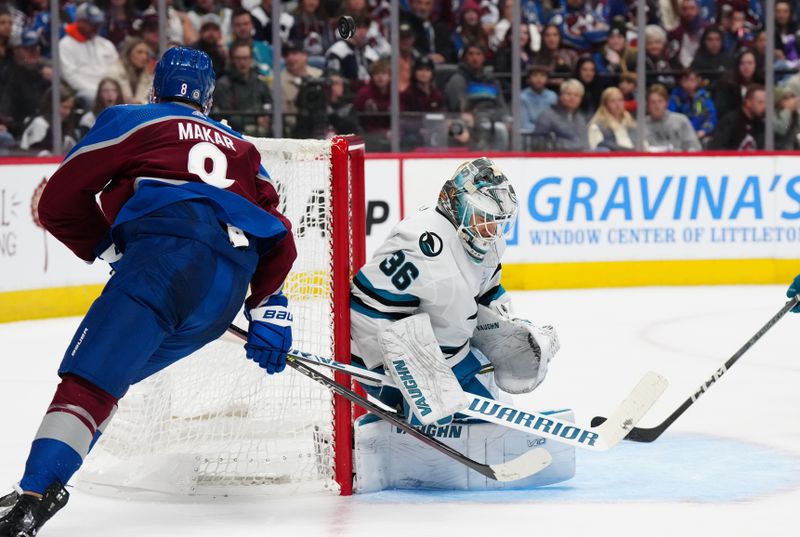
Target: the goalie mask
(480, 202)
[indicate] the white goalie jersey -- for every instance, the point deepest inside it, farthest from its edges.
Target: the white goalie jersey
(423, 267)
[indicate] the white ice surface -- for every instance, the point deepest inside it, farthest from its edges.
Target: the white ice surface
(729, 467)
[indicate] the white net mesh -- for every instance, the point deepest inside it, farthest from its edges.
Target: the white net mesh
(215, 423)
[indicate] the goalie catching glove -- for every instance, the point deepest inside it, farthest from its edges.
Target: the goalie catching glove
(519, 350)
(270, 334)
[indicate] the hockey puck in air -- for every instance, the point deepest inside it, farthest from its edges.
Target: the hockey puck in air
(346, 27)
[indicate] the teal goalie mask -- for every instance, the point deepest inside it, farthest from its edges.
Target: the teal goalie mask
(480, 203)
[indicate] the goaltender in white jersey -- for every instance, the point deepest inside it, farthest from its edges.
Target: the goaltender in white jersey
(429, 309)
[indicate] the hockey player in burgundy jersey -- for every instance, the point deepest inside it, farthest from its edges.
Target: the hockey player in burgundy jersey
(187, 218)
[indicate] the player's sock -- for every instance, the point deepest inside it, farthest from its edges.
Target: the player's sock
(27, 514)
(67, 433)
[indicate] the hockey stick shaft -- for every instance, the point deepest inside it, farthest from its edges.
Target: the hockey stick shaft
(628, 413)
(539, 457)
(638, 434)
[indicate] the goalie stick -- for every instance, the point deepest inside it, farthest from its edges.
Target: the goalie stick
(521, 467)
(650, 434)
(602, 438)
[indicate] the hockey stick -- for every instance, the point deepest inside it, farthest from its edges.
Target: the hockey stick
(651, 434)
(602, 438)
(523, 466)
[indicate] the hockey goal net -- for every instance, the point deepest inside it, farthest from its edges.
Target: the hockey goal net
(214, 424)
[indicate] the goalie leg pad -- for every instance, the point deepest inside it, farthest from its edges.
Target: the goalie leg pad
(415, 362)
(388, 458)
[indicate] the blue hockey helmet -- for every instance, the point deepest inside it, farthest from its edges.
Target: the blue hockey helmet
(184, 74)
(480, 202)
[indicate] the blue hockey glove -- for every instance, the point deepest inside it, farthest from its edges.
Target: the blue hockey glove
(793, 291)
(270, 335)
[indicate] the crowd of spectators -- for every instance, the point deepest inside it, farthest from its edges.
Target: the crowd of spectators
(704, 80)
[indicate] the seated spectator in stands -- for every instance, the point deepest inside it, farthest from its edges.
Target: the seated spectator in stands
(308, 19)
(760, 49)
(202, 8)
(38, 18)
(753, 10)
(109, 93)
(581, 27)
(262, 14)
(341, 113)
(684, 40)
(611, 128)
(355, 8)
(731, 88)
(502, 58)
(408, 55)
(38, 135)
(148, 31)
(737, 32)
(469, 30)
(563, 122)
(534, 12)
(422, 95)
(180, 28)
(787, 36)
(471, 75)
(372, 104)
(665, 130)
(352, 57)
(431, 38)
(694, 102)
(533, 16)
(312, 26)
(211, 43)
(19, 101)
(560, 61)
(708, 11)
(243, 32)
(476, 93)
(711, 59)
(657, 12)
(627, 85)
(658, 65)
(586, 74)
(743, 129)
(85, 56)
(613, 58)
(535, 98)
(120, 16)
(296, 73)
(132, 71)
(241, 90)
(787, 119)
